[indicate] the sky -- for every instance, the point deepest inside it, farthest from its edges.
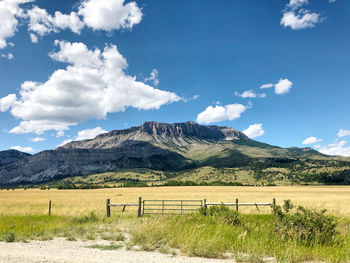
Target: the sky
(276, 70)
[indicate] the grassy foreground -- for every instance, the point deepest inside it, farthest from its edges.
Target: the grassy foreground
(254, 238)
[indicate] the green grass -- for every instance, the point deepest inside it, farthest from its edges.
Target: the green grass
(106, 247)
(248, 239)
(34, 227)
(197, 235)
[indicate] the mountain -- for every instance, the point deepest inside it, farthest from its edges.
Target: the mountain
(156, 146)
(10, 156)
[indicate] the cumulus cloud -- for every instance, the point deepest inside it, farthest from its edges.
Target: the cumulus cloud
(153, 77)
(300, 20)
(311, 140)
(37, 139)
(337, 148)
(282, 87)
(250, 94)
(9, 56)
(43, 23)
(343, 133)
(84, 135)
(221, 113)
(254, 130)
(296, 17)
(22, 149)
(109, 14)
(10, 11)
(92, 85)
(33, 38)
(89, 134)
(105, 15)
(295, 4)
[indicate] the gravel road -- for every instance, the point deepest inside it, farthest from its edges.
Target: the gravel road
(61, 251)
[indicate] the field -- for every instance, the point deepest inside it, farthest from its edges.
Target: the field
(248, 236)
(335, 199)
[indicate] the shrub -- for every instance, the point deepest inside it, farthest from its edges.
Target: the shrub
(222, 213)
(91, 218)
(9, 236)
(307, 227)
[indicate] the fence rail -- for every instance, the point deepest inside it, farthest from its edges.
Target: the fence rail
(177, 207)
(161, 207)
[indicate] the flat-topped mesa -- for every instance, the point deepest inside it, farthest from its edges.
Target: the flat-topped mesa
(160, 133)
(192, 129)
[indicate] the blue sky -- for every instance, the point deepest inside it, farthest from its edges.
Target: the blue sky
(72, 69)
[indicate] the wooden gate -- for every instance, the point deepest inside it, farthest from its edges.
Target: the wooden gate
(170, 207)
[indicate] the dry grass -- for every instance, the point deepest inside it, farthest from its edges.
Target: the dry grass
(335, 199)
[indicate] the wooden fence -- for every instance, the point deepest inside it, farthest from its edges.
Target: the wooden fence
(179, 207)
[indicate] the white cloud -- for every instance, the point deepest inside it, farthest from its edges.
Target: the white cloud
(283, 86)
(343, 133)
(311, 140)
(7, 102)
(295, 4)
(84, 135)
(254, 130)
(301, 20)
(89, 134)
(37, 139)
(250, 94)
(22, 149)
(9, 56)
(331, 1)
(91, 86)
(43, 23)
(59, 133)
(109, 14)
(221, 113)
(266, 86)
(10, 11)
(33, 38)
(337, 148)
(105, 15)
(64, 142)
(153, 77)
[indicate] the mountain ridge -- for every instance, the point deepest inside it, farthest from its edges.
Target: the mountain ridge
(154, 145)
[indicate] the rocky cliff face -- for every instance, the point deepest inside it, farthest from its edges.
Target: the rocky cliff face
(10, 156)
(162, 134)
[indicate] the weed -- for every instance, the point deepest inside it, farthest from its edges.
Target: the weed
(106, 247)
(9, 236)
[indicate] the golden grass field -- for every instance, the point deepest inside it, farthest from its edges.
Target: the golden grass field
(336, 199)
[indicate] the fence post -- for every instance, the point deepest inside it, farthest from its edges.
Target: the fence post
(140, 205)
(50, 208)
(205, 203)
(237, 205)
(108, 208)
(273, 201)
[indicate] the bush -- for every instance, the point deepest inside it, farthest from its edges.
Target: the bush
(9, 236)
(91, 218)
(307, 227)
(222, 213)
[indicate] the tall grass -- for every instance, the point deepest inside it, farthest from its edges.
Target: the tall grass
(211, 234)
(32, 227)
(255, 237)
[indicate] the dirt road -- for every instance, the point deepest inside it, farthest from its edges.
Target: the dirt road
(62, 251)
